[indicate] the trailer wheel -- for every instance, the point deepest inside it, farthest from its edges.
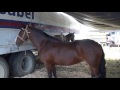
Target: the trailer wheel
(22, 64)
(4, 68)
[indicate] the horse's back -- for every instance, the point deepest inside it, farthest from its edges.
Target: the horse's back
(87, 42)
(88, 47)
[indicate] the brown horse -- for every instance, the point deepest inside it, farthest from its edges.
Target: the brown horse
(70, 37)
(53, 51)
(61, 37)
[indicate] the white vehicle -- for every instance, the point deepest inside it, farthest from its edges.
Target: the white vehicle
(20, 61)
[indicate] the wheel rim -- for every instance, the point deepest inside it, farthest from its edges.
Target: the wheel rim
(2, 71)
(26, 64)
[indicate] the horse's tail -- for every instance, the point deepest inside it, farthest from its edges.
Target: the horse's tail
(102, 68)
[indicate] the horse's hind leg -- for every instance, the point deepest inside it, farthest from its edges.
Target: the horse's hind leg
(94, 72)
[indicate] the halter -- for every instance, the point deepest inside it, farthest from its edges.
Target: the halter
(25, 31)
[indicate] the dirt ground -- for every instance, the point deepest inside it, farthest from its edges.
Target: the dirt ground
(81, 70)
(74, 71)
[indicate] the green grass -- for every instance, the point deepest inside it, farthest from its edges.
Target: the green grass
(113, 68)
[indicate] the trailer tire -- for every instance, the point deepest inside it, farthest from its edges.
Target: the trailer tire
(22, 64)
(4, 68)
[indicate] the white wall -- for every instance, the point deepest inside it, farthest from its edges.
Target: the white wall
(84, 31)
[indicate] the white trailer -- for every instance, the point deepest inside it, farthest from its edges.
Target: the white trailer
(13, 60)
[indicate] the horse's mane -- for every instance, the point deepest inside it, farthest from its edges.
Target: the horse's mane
(45, 34)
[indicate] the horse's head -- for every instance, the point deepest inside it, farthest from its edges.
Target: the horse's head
(70, 36)
(23, 35)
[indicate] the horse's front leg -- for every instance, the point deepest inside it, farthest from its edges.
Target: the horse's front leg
(54, 71)
(49, 70)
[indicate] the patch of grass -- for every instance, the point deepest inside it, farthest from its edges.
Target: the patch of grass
(113, 68)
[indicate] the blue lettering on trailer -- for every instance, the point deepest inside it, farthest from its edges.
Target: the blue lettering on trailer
(29, 15)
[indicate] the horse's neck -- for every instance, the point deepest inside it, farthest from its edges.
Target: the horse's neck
(36, 38)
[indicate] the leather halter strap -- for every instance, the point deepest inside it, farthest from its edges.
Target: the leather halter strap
(25, 31)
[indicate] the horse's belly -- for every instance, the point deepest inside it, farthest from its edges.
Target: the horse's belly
(67, 61)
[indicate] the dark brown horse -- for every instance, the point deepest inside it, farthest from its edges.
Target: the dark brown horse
(66, 38)
(70, 37)
(53, 51)
(61, 37)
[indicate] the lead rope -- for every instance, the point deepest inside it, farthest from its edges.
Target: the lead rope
(25, 53)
